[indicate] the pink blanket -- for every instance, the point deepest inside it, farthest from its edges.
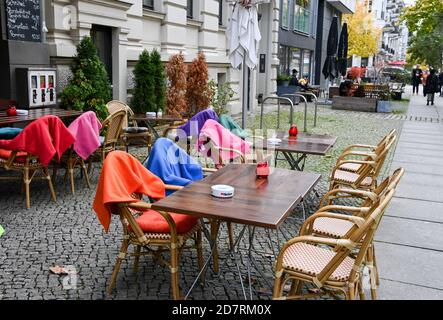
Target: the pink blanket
(221, 137)
(86, 130)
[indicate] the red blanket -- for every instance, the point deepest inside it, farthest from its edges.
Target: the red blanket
(123, 175)
(43, 138)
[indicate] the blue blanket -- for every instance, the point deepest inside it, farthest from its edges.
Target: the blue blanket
(8, 133)
(172, 164)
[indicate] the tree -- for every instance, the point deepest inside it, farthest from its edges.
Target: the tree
(144, 98)
(176, 98)
(89, 88)
(198, 93)
(424, 20)
(159, 79)
(363, 35)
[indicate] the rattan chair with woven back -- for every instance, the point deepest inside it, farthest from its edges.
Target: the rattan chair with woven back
(365, 178)
(111, 129)
(130, 133)
(329, 266)
(155, 244)
(364, 151)
(334, 220)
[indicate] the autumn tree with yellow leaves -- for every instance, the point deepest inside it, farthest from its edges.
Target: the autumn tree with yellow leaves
(363, 35)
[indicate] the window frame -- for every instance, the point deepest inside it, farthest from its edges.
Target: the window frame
(148, 6)
(288, 14)
(190, 9)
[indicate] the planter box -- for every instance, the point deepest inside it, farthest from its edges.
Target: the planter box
(384, 106)
(354, 104)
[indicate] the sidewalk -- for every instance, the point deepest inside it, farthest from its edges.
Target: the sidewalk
(409, 242)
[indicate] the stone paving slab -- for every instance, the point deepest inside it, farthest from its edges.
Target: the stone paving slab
(415, 209)
(419, 146)
(421, 186)
(422, 153)
(393, 290)
(423, 234)
(417, 167)
(410, 265)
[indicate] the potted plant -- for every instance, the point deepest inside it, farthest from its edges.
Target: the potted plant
(283, 79)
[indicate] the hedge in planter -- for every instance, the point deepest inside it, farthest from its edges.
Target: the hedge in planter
(143, 99)
(89, 88)
(198, 91)
(176, 97)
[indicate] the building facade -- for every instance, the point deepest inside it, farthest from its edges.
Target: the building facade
(122, 29)
(303, 34)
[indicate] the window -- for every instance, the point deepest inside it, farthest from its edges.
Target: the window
(190, 9)
(148, 4)
(220, 12)
(302, 15)
(295, 60)
(285, 14)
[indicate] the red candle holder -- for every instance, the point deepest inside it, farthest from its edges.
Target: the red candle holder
(263, 170)
(293, 131)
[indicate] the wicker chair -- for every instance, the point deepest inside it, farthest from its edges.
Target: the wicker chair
(112, 128)
(28, 165)
(70, 160)
(365, 178)
(326, 223)
(328, 264)
(130, 133)
(365, 151)
(155, 244)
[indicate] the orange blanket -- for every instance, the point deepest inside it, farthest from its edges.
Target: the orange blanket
(43, 138)
(123, 175)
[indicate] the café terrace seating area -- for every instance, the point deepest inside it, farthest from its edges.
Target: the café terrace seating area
(190, 195)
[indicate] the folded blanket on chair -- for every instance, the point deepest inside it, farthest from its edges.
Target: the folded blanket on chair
(172, 164)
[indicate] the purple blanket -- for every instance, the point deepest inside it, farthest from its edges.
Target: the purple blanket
(195, 124)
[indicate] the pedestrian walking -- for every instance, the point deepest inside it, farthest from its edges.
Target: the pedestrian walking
(432, 86)
(416, 79)
(440, 81)
(424, 79)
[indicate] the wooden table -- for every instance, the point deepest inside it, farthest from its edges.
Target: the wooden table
(305, 144)
(256, 203)
(152, 121)
(35, 114)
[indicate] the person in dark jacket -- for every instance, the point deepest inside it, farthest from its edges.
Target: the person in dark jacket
(440, 80)
(432, 86)
(416, 79)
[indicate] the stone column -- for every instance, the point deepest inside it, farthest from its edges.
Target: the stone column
(119, 63)
(174, 27)
(208, 37)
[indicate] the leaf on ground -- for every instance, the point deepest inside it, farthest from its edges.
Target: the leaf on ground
(58, 270)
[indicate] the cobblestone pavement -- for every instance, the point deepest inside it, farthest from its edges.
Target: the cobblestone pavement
(67, 233)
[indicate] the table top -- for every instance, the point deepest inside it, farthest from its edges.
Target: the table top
(35, 114)
(256, 202)
(142, 117)
(307, 143)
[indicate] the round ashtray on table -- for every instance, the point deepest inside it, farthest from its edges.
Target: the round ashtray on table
(222, 191)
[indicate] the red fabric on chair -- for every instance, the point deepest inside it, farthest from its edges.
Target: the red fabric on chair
(152, 221)
(20, 157)
(43, 138)
(123, 175)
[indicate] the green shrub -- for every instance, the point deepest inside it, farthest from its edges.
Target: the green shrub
(89, 88)
(222, 95)
(144, 91)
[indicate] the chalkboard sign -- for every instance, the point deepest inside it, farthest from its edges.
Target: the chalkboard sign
(23, 20)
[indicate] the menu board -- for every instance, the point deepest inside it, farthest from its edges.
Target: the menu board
(23, 20)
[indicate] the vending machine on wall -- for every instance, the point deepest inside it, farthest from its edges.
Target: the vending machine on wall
(36, 87)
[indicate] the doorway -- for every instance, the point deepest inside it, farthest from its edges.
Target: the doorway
(102, 38)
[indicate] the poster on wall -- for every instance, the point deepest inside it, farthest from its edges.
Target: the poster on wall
(23, 20)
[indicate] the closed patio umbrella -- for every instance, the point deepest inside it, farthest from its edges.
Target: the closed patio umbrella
(243, 38)
(330, 66)
(342, 54)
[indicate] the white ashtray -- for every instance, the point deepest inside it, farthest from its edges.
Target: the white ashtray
(274, 141)
(151, 114)
(222, 191)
